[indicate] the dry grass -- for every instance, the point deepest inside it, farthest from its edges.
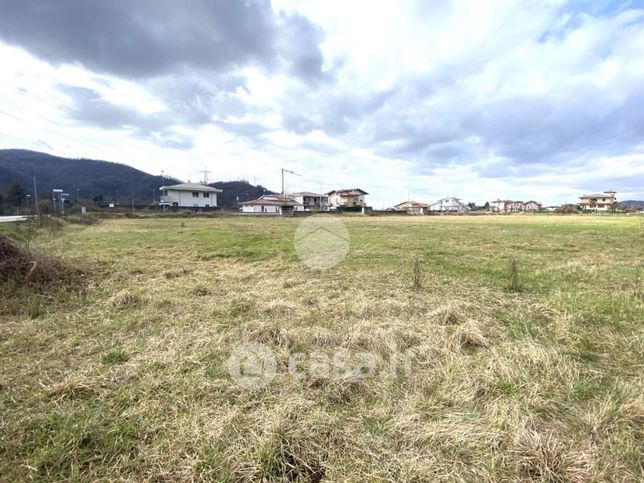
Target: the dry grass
(543, 384)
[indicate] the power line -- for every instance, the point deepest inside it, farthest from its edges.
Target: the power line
(109, 153)
(11, 136)
(65, 111)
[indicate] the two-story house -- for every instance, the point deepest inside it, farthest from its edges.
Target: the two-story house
(598, 201)
(449, 205)
(311, 201)
(347, 198)
(189, 195)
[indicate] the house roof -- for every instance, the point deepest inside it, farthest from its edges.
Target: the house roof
(412, 203)
(449, 198)
(191, 187)
(606, 194)
(307, 193)
(273, 200)
(351, 192)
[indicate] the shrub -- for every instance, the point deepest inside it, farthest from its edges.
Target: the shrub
(567, 209)
(24, 267)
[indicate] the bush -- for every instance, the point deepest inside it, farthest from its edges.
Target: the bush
(350, 209)
(566, 209)
(24, 267)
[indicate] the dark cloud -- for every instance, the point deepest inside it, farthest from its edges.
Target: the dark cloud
(148, 38)
(89, 107)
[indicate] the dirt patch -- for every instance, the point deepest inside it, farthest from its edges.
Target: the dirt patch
(24, 267)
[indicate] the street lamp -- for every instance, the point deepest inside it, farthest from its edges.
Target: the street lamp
(56, 193)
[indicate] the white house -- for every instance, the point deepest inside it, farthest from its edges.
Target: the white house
(449, 204)
(271, 204)
(509, 206)
(347, 198)
(311, 201)
(501, 206)
(189, 195)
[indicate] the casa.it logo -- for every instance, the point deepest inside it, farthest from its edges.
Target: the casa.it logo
(252, 366)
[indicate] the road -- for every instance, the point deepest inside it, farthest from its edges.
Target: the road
(9, 219)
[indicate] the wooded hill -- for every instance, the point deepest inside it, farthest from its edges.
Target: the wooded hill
(102, 179)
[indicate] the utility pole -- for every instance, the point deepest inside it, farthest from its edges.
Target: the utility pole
(286, 171)
(78, 196)
(162, 185)
(36, 194)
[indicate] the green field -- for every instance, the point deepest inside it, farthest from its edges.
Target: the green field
(540, 380)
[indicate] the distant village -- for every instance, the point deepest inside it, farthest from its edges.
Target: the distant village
(201, 196)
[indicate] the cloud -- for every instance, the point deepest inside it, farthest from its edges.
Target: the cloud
(148, 38)
(477, 99)
(90, 107)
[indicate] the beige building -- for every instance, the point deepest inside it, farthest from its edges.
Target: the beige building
(532, 206)
(412, 207)
(501, 206)
(598, 201)
(510, 206)
(347, 198)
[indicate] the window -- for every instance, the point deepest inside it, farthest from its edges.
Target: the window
(206, 195)
(195, 194)
(165, 192)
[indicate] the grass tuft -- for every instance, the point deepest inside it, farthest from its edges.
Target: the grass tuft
(417, 274)
(127, 300)
(34, 306)
(115, 356)
(200, 290)
(468, 336)
(512, 282)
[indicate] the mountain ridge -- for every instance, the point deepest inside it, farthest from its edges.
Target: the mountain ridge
(108, 180)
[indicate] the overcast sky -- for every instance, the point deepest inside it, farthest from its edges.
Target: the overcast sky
(526, 99)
